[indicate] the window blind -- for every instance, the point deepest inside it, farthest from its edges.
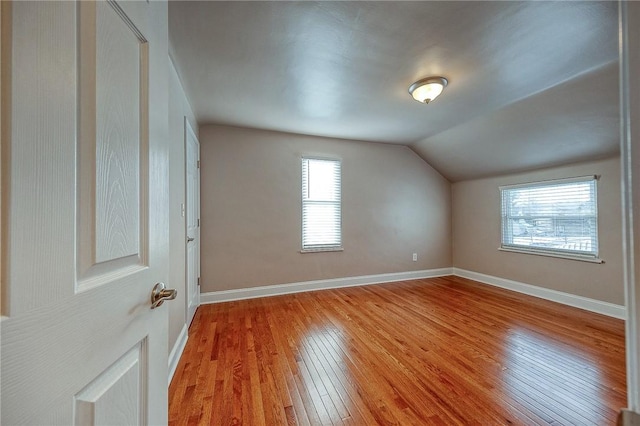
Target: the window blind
(558, 217)
(321, 204)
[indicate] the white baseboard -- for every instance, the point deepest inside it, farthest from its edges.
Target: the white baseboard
(176, 351)
(279, 289)
(604, 308)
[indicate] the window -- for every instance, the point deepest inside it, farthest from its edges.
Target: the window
(321, 205)
(557, 218)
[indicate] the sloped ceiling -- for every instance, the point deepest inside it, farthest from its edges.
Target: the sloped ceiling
(531, 84)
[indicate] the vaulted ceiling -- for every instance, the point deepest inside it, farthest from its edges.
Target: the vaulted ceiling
(531, 84)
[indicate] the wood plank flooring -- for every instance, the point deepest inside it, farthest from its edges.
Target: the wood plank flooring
(441, 351)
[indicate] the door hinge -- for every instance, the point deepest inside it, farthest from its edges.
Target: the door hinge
(198, 222)
(198, 280)
(198, 163)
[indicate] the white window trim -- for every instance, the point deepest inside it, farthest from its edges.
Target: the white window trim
(557, 253)
(550, 182)
(549, 253)
(321, 249)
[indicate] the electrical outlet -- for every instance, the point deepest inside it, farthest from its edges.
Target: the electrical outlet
(415, 257)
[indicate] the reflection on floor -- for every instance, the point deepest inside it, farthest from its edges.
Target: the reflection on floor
(439, 351)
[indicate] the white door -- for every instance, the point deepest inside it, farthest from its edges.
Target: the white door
(193, 221)
(85, 200)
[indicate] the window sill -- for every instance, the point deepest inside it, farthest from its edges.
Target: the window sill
(553, 254)
(321, 250)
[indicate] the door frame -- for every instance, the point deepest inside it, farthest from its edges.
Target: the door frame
(629, 15)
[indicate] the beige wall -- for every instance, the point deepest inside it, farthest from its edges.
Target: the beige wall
(476, 235)
(394, 204)
(178, 108)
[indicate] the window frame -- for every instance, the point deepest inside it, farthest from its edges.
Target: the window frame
(319, 248)
(593, 256)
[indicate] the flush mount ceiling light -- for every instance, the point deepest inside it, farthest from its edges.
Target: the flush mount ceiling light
(427, 89)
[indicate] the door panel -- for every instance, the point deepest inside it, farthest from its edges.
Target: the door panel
(41, 55)
(87, 213)
(118, 78)
(120, 385)
(113, 167)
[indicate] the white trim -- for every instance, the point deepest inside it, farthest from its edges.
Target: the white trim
(569, 256)
(587, 178)
(321, 250)
(629, 17)
(600, 307)
(279, 289)
(176, 352)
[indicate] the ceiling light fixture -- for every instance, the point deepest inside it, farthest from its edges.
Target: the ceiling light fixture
(427, 89)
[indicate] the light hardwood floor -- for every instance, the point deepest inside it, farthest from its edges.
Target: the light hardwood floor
(440, 351)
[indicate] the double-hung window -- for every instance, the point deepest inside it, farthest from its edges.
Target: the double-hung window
(321, 205)
(556, 218)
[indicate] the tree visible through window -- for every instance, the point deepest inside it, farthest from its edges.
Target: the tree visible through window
(558, 217)
(321, 204)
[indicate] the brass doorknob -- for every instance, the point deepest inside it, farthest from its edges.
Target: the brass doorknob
(159, 294)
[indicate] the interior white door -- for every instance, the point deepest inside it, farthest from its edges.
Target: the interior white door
(193, 221)
(86, 216)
